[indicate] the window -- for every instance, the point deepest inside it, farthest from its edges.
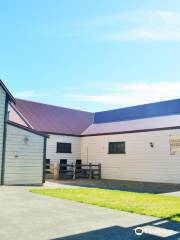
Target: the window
(116, 147)
(63, 147)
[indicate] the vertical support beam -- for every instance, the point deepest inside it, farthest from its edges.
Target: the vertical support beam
(74, 171)
(90, 170)
(99, 167)
(44, 160)
(4, 141)
(56, 171)
(87, 155)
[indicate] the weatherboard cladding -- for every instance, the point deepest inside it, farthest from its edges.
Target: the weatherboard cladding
(53, 119)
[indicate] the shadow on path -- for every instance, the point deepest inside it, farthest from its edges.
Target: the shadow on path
(159, 229)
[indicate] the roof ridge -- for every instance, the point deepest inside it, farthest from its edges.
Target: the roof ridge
(139, 105)
(51, 105)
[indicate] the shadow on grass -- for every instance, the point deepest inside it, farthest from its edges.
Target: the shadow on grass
(131, 186)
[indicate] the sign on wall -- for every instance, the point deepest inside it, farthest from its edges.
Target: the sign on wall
(175, 144)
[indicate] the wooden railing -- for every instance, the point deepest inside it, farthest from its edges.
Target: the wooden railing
(49, 175)
(74, 171)
(80, 171)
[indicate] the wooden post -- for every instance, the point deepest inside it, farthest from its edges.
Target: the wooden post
(90, 170)
(74, 171)
(56, 171)
(99, 167)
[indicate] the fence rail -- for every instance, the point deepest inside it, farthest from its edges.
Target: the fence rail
(74, 171)
(49, 174)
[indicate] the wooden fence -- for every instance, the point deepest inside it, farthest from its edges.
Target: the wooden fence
(48, 172)
(74, 171)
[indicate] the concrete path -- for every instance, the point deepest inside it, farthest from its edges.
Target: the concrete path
(177, 194)
(58, 185)
(28, 216)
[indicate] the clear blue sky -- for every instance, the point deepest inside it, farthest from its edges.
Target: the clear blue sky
(91, 55)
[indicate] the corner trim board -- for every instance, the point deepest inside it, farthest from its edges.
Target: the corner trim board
(44, 160)
(4, 141)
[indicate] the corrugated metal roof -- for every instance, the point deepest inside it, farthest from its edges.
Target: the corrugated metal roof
(133, 125)
(165, 108)
(53, 119)
(58, 120)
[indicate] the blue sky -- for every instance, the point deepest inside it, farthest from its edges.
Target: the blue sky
(91, 55)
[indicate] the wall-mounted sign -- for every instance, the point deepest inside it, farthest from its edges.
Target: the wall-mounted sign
(175, 144)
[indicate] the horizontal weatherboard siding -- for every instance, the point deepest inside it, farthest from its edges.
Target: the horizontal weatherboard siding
(52, 148)
(140, 163)
(2, 112)
(24, 161)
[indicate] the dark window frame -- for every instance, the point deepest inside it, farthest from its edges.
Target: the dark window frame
(113, 147)
(63, 150)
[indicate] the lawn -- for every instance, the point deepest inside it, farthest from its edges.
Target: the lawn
(141, 203)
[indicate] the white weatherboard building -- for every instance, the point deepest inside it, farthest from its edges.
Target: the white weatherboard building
(140, 143)
(22, 150)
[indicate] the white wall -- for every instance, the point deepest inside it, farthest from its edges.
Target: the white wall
(52, 144)
(140, 163)
(2, 111)
(14, 117)
(23, 162)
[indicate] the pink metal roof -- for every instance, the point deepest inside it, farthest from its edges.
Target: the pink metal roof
(53, 119)
(58, 120)
(133, 125)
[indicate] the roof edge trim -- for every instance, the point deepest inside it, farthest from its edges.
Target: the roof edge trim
(64, 134)
(27, 129)
(20, 115)
(10, 96)
(133, 131)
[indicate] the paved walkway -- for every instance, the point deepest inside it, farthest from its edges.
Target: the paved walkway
(177, 193)
(28, 216)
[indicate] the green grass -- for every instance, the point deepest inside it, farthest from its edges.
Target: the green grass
(141, 203)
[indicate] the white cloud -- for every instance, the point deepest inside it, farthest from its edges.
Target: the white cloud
(128, 94)
(132, 26)
(103, 21)
(158, 25)
(146, 35)
(28, 94)
(152, 26)
(166, 16)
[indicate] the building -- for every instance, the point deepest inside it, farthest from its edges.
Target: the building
(140, 143)
(22, 149)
